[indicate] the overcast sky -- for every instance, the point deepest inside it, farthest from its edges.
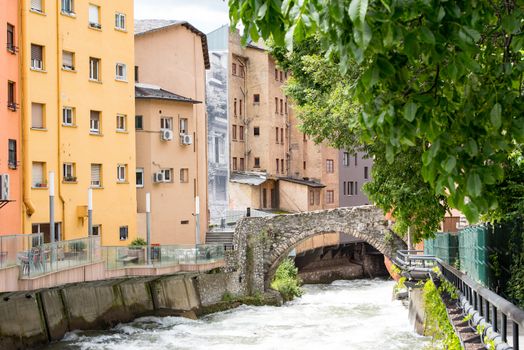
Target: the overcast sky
(206, 15)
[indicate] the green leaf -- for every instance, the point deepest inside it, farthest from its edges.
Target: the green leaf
(496, 115)
(472, 148)
(449, 164)
(474, 185)
(358, 9)
(410, 110)
(426, 36)
(262, 10)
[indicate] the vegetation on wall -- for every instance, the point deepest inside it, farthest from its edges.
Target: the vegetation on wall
(286, 280)
(437, 324)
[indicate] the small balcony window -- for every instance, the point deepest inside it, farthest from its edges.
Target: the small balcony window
(121, 72)
(94, 16)
(68, 7)
(68, 60)
(120, 21)
(37, 57)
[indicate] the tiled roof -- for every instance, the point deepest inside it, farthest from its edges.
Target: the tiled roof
(248, 178)
(144, 26)
(303, 181)
(147, 91)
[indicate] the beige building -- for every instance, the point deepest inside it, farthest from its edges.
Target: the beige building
(271, 164)
(171, 60)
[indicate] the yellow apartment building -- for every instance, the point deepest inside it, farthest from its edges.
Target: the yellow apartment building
(78, 117)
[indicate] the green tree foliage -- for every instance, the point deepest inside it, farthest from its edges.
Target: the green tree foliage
(286, 280)
(447, 75)
(325, 104)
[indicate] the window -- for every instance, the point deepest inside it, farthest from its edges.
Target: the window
(139, 177)
(136, 74)
(281, 76)
(94, 16)
(234, 68)
(96, 175)
(330, 197)
(257, 162)
(97, 230)
(121, 173)
(281, 106)
(67, 7)
(276, 74)
(121, 122)
(235, 163)
(184, 175)
(282, 135)
(311, 197)
(240, 108)
(235, 107)
(94, 68)
(256, 131)
(285, 106)
(242, 164)
(120, 21)
(276, 104)
(36, 5)
(282, 166)
(37, 116)
(344, 188)
(11, 38)
(68, 171)
(68, 116)
(12, 159)
(277, 165)
(68, 60)
(304, 165)
(366, 172)
(345, 159)
(276, 134)
(124, 232)
(256, 98)
(168, 175)
(351, 189)
(121, 72)
(330, 166)
(38, 175)
(304, 137)
(37, 57)
(183, 126)
(234, 132)
(94, 122)
(356, 188)
(11, 95)
(139, 122)
(166, 123)
(317, 197)
(241, 132)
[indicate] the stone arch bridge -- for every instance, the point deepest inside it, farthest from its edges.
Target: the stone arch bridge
(262, 243)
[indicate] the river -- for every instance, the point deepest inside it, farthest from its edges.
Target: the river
(343, 315)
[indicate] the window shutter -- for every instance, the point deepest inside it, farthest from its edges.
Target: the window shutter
(37, 115)
(36, 5)
(38, 173)
(36, 52)
(67, 59)
(93, 14)
(95, 174)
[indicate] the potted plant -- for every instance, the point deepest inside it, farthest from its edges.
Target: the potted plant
(136, 248)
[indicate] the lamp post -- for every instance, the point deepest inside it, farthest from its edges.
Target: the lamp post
(148, 227)
(52, 213)
(90, 212)
(197, 218)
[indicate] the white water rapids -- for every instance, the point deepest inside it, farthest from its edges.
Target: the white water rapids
(343, 315)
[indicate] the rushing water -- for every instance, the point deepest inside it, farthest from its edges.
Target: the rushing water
(343, 315)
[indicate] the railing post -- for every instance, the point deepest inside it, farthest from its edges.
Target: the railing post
(504, 327)
(515, 336)
(494, 318)
(481, 308)
(487, 311)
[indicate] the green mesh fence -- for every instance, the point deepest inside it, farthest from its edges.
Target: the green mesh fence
(473, 256)
(444, 246)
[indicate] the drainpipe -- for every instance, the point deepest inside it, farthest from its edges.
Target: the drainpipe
(59, 119)
(26, 166)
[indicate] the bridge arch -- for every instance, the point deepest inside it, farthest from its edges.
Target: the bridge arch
(262, 243)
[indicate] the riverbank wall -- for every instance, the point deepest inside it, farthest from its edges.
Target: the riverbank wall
(30, 320)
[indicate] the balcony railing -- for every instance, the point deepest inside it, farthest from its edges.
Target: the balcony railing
(161, 256)
(11, 244)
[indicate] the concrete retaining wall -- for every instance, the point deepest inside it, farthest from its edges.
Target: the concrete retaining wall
(32, 319)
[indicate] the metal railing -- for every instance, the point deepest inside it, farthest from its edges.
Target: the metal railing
(161, 256)
(415, 260)
(10, 245)
(502, 316)
(53, 257)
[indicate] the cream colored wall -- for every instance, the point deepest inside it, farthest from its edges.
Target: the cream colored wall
(243, 196)
(174, 202)
(323, 240)
(178, 52)
(115, 203)
(293, 197)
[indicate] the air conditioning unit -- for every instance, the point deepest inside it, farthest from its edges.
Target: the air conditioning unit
(187, 139)
(4, 187)
(166, 135)
(158, 177)
(37, 64)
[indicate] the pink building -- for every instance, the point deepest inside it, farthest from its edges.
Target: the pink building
(10, 172)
